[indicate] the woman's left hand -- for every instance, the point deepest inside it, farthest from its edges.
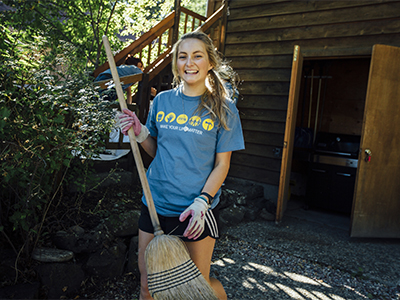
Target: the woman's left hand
(198, 211)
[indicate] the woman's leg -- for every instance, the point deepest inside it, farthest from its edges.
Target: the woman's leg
(144, 240)
(201, 254)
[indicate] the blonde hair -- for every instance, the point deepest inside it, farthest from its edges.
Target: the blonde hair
(213, 101)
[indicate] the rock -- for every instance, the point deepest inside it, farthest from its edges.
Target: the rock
(107, 262)
(251, 190)
(60, 279)
(125, 224)
(251, 214)
(270, 206)
(78, 230)
(232, 215)
(52, 255)
(231, 197)
(259, 203)
(267, 215)
(83, 243)
(21, 291)
(65, 240)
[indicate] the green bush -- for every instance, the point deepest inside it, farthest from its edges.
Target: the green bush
(49, 109)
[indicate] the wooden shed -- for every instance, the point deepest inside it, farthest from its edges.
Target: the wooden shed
(285, 51)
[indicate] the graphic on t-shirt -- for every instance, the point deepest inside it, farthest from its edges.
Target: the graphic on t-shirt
(208, 124)
(170, 117)
(160, 116)
(182, 119)
(195, 121)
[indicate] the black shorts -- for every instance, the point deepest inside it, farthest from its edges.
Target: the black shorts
(172, 225)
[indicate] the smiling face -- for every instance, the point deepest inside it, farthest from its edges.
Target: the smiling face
(193, 65)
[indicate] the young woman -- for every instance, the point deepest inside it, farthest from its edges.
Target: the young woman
(191, 132)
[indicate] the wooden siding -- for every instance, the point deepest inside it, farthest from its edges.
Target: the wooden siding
(259, 43)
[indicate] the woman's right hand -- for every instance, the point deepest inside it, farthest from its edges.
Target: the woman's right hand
(128, 119)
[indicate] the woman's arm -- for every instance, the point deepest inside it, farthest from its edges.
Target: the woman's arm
(218, 174)
(150, 146)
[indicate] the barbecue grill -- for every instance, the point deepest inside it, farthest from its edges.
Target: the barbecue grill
(332, 171)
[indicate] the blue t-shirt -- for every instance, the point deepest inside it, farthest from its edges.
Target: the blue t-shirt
(186, 148)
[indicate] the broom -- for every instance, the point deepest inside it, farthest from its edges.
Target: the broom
(171, 272)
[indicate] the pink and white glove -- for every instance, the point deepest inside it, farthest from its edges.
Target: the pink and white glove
(128, 119)
(198, 211)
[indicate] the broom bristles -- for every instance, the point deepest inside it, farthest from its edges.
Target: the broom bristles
(172, 275)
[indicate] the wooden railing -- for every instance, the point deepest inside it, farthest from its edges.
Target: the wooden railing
(154, 49)
(151, 45)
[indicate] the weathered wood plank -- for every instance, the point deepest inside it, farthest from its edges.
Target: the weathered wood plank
(320, 47)
(233, 4)
(265, 88)
(264, 74)
(263, 138)
(291, 7)
(365, 28)
(254, 174)
(257, 161)
(263, 102)
(260, 150)
(352, 14)
(263, 115)
(256, 125)
(259, 62)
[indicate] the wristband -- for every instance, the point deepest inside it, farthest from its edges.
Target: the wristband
(204, 199)
(210, 198)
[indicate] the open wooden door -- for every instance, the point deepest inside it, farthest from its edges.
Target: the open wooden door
(288, 143)
(376, 205)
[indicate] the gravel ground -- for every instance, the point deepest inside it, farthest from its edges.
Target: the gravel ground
(297, 259)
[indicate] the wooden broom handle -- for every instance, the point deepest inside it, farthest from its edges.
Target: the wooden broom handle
(132, 139)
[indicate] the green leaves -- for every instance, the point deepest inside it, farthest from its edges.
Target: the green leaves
(44, 116)
(4, 115)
